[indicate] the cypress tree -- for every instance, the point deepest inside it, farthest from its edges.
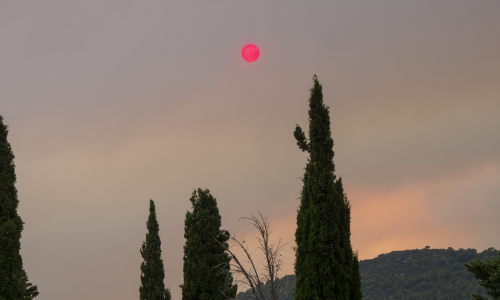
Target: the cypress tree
(355, 287)
(324, 258)
(206, 264)
(13, 279)
(352, 263)
(152, 285)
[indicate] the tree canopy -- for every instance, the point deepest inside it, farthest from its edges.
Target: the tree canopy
(206, 264)
(324, 257)
(13, 278)
(152, 270)
(488, 274)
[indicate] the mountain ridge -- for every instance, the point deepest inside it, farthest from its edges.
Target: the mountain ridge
(409, 274)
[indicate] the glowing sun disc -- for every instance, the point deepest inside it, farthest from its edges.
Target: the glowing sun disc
(250, 53)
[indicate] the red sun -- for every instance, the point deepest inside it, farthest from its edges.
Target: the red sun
(250, 53)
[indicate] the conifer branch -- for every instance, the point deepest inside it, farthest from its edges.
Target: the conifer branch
(301, 139)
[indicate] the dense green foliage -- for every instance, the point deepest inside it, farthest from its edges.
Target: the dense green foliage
(324, 257)
(206, 264)
(421, 274)
(425, 274)
(152, 270)
(489, 275)
(13, 279)
(355, 289)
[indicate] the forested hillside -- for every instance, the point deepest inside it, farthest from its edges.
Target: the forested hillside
(411, 274)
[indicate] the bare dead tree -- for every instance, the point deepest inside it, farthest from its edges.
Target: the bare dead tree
(252, 278)
(271, 266)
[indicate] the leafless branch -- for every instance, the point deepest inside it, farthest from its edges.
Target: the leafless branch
(271, 266)
(252, 280)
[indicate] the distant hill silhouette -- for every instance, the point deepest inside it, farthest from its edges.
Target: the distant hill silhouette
(409, 275)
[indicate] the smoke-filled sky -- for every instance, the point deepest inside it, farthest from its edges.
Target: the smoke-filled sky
(112, 103)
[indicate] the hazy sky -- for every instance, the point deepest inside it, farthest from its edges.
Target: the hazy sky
(112, 103)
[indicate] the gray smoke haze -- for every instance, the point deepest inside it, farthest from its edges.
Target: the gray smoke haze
(112, 103)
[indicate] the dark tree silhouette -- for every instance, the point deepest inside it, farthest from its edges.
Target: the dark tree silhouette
(324, 257)
(13, 278)
(205, 261)
(152, 270)
(488, 274)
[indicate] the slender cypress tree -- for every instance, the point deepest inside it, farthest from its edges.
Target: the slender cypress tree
(355, 287)
(206, 264)
(13, 279)
(152, 285)
(352, 263)
(324, 258)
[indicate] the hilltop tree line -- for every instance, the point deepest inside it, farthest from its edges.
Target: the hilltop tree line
(325, 266)
(425, 274)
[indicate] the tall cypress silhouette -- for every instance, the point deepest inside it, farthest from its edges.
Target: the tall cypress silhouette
(324, 258)
(13, 279)
(206, 264)
(355, 287)
(352, 263)
(153, 273)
